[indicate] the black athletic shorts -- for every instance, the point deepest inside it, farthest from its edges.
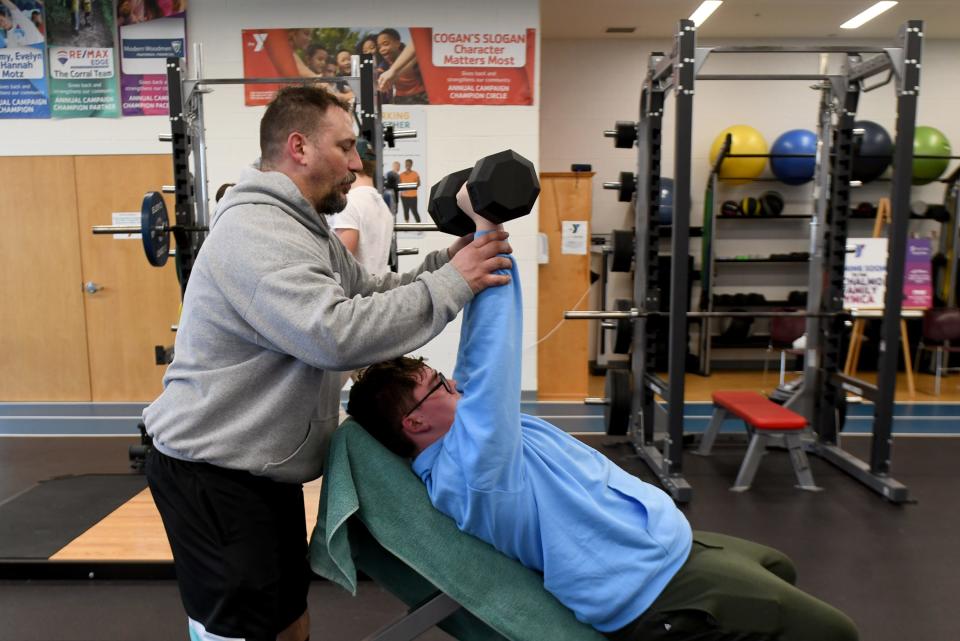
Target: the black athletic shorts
(239, 545)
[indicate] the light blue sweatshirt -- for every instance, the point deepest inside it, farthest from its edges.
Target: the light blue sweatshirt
(606, 542)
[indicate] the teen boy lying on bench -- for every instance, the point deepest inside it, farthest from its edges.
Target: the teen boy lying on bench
(613, 549)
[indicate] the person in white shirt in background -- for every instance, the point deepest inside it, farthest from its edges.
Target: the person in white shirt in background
(365, 226)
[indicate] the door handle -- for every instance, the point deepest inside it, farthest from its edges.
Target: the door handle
(91, 287)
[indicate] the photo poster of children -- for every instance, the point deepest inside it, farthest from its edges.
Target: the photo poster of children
(414, 65)
(406, 162)
(150, 32)
(80, 47)
(23, 78)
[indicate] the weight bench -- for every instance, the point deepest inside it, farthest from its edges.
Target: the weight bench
(764, 420)
(375, 517)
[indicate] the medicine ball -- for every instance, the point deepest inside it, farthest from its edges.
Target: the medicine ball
(872, 152)
(730, 208)
(794, 171)
(928, 141)
(745, 140)
(750, 206)
(665, 215)
(771, 203)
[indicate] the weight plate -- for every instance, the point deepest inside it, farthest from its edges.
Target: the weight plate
(616, 413)
(628, 185)
(626, 134)
(623, 337)
(155, 228)
(622, 241)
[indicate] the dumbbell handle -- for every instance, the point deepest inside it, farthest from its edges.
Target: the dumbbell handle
(403, 186)
(595, 400)
(135, 229)
(612, 185)
(609, 133)
(414, 227)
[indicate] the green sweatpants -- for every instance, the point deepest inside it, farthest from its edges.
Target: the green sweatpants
(733, 590)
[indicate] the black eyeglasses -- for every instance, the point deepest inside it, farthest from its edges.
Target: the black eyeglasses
(442, 383)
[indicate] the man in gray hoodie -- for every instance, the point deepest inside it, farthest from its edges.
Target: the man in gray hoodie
(275, 309)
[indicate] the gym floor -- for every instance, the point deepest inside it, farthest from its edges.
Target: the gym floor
(892, 568)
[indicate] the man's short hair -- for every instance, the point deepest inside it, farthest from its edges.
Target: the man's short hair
(293, 109)
(381, 396)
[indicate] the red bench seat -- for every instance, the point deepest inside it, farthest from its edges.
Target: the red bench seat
(759, 411)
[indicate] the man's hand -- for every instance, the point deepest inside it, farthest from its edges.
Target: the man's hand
(477, 261)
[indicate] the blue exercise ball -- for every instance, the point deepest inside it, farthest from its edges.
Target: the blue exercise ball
(794, 171)
(665, 215)
(872, 152)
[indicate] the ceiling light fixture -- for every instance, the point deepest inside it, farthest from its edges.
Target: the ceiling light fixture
(621, 29)
(866, 16)
(706, 8)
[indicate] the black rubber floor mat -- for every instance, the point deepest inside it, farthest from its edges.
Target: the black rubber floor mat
(40, 521)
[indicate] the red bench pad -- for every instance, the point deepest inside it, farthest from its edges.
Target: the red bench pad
(759, 411)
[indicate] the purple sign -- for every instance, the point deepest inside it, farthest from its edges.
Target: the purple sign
(917, 277)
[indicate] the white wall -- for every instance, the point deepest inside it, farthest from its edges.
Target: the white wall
(587, 85)
(458, 135)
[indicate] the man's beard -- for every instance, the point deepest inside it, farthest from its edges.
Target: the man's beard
(332, 203)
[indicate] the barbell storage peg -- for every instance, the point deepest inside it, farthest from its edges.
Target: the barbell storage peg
(391, 135)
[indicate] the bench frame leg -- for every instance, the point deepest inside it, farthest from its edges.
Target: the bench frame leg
(709, 436)
(800, 462)
(418, 620)
(757, 448)
(751, 461)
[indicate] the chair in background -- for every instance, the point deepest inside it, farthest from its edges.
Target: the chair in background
(940, 334)
(784, 330)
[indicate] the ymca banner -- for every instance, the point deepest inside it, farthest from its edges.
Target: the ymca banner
(83, 79)
(150, 32)
(415, 65)
(865, 274)
(23, 79)
(918, 274)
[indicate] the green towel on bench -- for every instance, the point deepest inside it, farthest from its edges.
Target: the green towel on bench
(375, 515)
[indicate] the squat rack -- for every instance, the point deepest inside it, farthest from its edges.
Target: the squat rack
(821, 396)
(188, 139)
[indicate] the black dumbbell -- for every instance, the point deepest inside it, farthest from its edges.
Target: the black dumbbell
(501, 187)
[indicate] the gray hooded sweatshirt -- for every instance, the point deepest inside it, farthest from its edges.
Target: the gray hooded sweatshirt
(276, 308)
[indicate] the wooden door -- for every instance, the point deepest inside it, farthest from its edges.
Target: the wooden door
(562, 360)
(138, 303)
(42, 327)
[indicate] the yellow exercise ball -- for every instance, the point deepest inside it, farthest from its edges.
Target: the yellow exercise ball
(746, 140)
